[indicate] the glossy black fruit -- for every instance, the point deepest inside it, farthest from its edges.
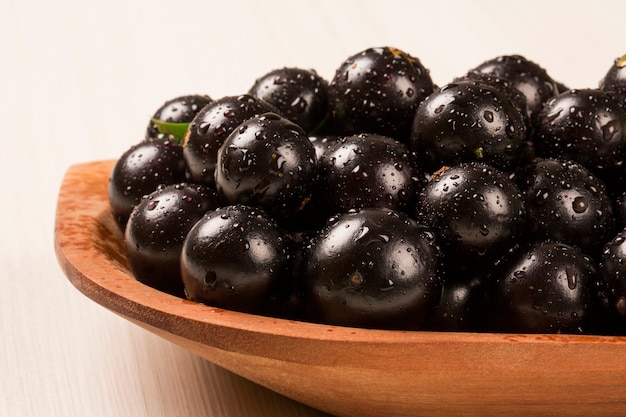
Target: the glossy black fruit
(615, 78)
(461, 304)
(378, 91)
(526, 76)
(587, 126)
(323, 143)
(314, 214)
(138, 172)
(210, 128)
(177, 110)
(300, 95)
(501, 84)
(156, 231)
(269, 162)
(619, 206)
(613, 272)
(476, 210)
(234, 258)
(546, 287)
(367, 170)
(468, 121)
(372, 268)
(565, 202)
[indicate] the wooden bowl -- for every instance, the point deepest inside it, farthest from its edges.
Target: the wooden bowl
(343, 371)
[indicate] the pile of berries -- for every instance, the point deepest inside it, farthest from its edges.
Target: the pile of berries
(494, 203)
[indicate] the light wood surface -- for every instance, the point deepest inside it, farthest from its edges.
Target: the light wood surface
(335, 368)
(78, 82)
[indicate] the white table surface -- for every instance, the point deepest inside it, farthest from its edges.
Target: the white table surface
(78, 82)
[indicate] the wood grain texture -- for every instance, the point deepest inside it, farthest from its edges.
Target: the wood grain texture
(371, 372)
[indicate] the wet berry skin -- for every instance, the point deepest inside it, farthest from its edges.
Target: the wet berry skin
(377, 91)
(615, 79)
(373, 268)
(468, 121)
(619, 206)
(613, 272)
(157, 229)
(524, 75)
(314, 214)
(544, 287)
(210, 128)
(235, 257)
(300, 95)
(268, 162)
(587, 126)
(461, 303)
(139, 171)
(177, 110)
(322, 143)
(567, 203)
(367, 170)
(477, 211)
(502, 85)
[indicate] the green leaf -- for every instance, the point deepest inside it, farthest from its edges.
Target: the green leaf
(178, 130)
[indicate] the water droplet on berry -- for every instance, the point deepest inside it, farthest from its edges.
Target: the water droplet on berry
(610, 129)
(580, 204)
(572, 277)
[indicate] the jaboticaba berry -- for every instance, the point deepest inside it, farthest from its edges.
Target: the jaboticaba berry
(177, 110)
(139, 171)
(367, 170)
(615, 78)
(477, 211)
(544, 287)
(300, 95)
(613, 272)
(372, 268)
(268, 162)
(565, 202)
(157, 228)
(210, 128)
(468, 121)
(587, 126)
(235, 257)
(377, 91)
(526, 76)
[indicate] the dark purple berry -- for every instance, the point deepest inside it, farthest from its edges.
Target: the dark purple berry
(372, 268)
(269, 162)
(157, 228)
(524, 75)
(565, 202)
(210, 128)
(299, 95)
(613, 272)
(468, 121)
(234, 258)
(546, 287)
(476, 210)
(139, 171)
(367, 170)
(587, 126)
(378, 91)
(177, 110)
